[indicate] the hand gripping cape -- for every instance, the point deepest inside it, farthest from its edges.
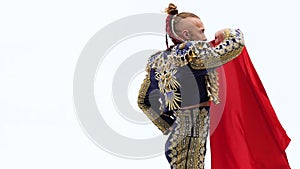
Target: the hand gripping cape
(248, 134)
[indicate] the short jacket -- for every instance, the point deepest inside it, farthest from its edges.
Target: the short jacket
(185, 75)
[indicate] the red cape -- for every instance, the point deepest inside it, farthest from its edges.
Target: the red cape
(248, 134)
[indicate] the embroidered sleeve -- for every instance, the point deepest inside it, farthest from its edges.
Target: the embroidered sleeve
(149, 103)
(201, 55)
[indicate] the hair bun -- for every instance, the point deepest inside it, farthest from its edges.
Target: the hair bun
(172, 9)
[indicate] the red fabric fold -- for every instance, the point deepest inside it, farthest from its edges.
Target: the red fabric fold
(245, 131)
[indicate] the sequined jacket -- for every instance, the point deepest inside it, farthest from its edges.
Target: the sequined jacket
(185, 75)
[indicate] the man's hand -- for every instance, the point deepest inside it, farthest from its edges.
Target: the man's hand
(220, 36)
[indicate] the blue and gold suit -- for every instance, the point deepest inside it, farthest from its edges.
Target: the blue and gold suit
(179, 77)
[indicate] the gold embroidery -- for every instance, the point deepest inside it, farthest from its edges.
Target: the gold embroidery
(167, 83)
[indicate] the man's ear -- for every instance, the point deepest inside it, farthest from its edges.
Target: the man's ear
(185, 34)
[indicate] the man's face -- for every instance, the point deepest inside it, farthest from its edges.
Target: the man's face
(193, 29)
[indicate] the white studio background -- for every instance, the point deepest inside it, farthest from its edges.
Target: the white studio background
(40, 42)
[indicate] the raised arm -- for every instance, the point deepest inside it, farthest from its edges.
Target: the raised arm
(148, 102)
(201, 55)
